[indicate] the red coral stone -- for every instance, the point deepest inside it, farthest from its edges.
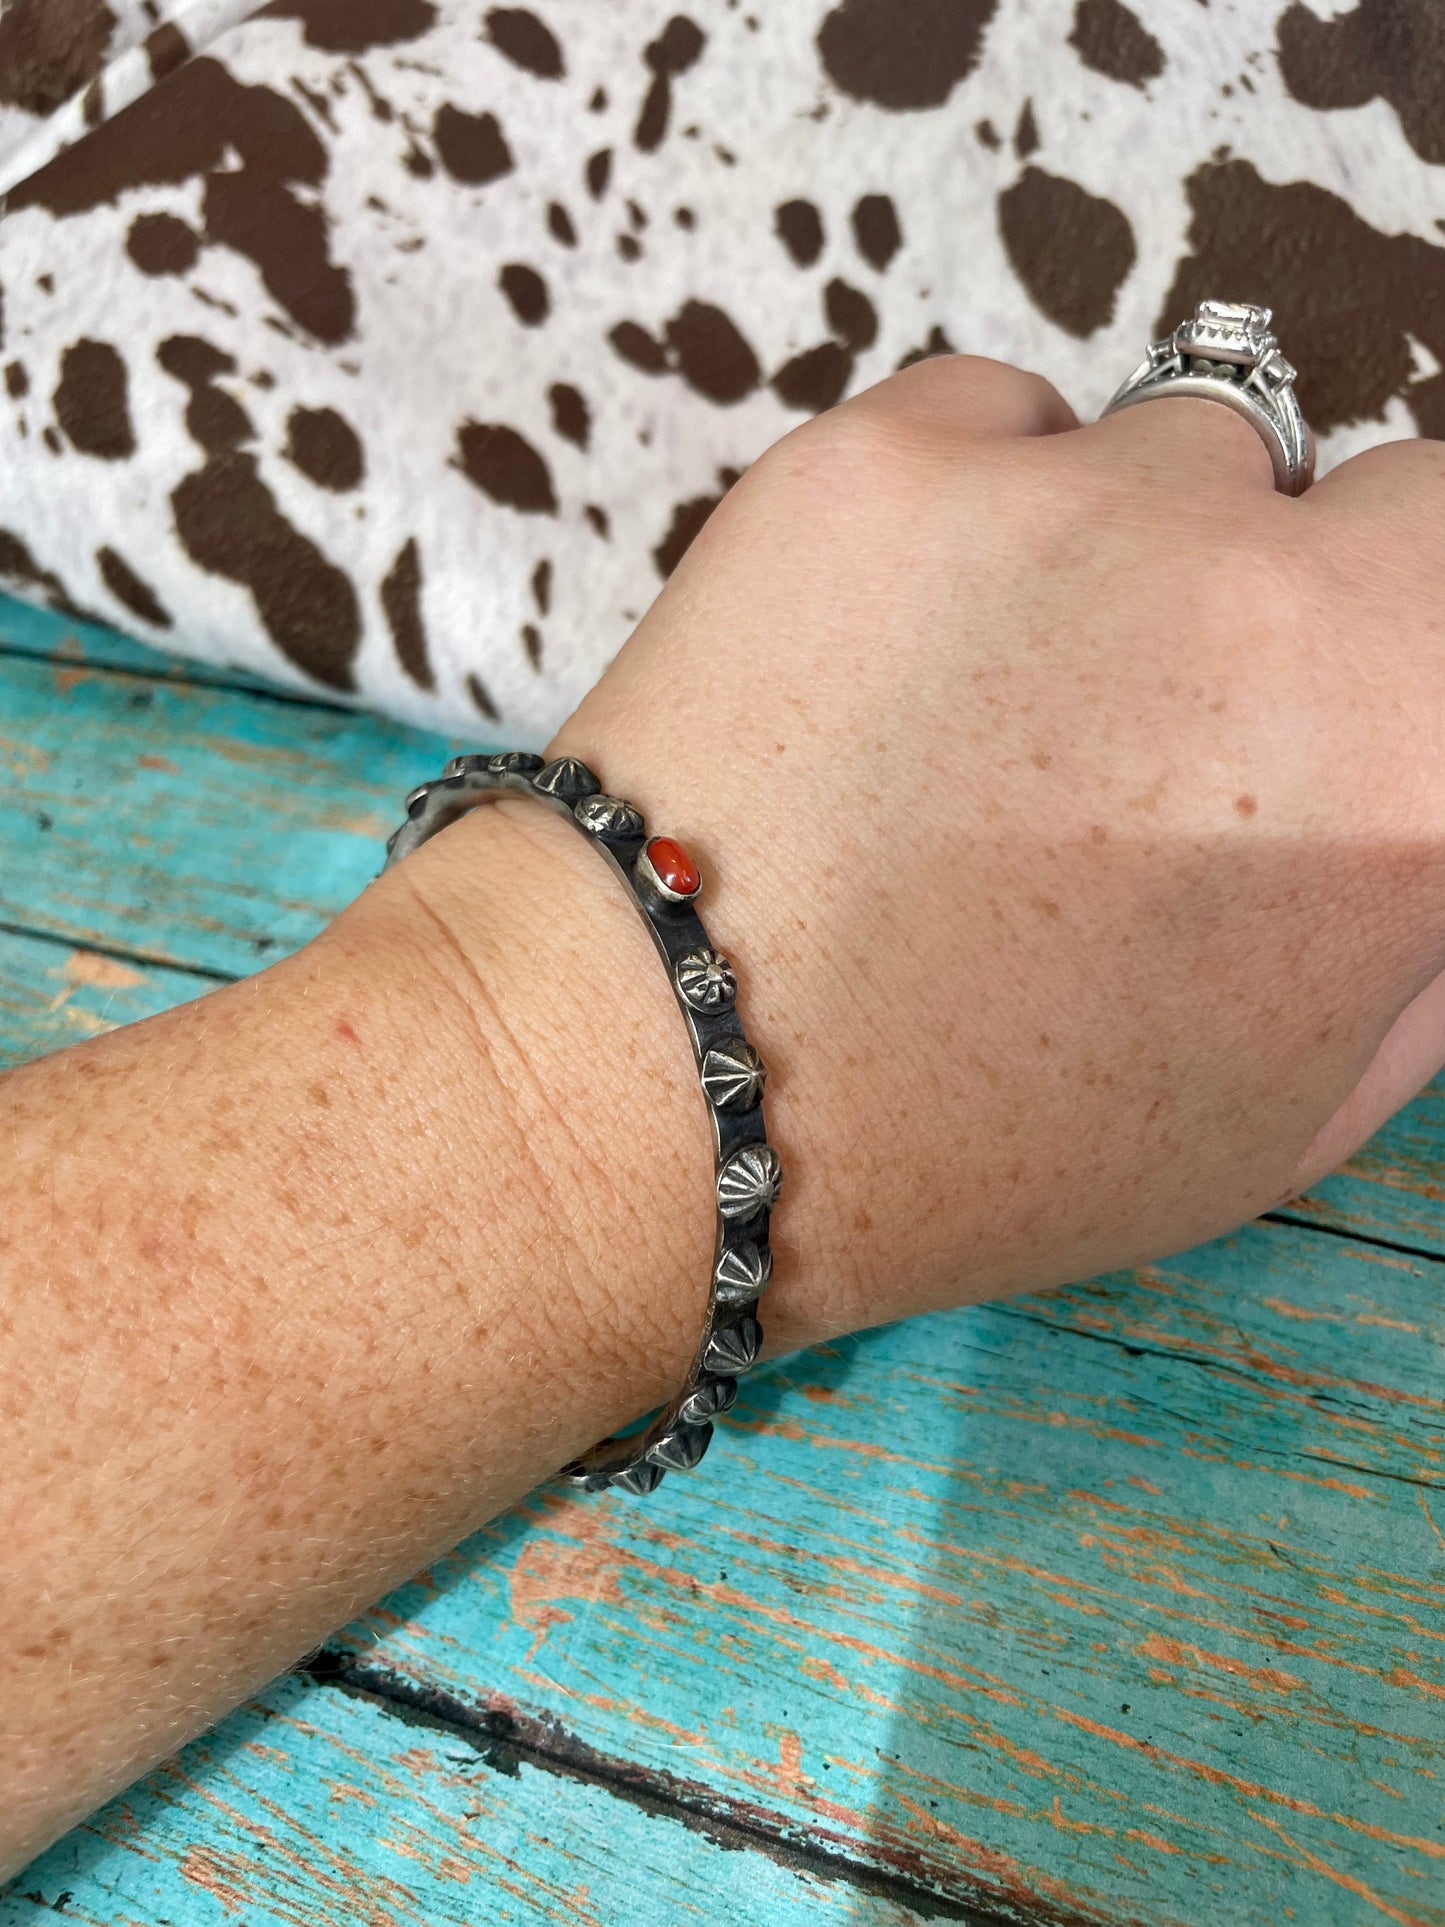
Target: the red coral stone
(675, 869)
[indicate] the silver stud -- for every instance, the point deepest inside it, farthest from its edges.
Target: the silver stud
(749, 1182)
(743, 1272)
(514, 762)
(705, 978)
(642, 1478)
(468, 766)
(733, 1075)
(608, 816)
(713, 1396)
(733, 1349)
(681, 1450)
(567, 779)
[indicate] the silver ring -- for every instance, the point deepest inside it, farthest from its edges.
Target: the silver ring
(1225, 353)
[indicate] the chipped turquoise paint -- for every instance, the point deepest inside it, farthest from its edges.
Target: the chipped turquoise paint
(1122, 1605)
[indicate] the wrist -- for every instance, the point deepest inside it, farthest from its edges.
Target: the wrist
(593, 1166)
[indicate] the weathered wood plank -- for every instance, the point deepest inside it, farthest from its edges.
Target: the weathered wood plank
(1126, 1604)
(318, 1810)
(201, 827)
(52, 994)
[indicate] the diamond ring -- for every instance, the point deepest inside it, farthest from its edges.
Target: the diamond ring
(1226, 353)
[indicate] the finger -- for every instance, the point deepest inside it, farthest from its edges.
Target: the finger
(970, 395)
(1185, 442)
(1401, 484)
(1412, 1051)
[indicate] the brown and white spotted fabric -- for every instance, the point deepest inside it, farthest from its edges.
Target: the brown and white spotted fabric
(397, 348)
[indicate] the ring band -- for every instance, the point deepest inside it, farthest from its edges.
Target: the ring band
(1226, 353)
(662, 881)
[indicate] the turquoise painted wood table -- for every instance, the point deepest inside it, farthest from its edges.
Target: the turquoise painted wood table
(1122, 1605)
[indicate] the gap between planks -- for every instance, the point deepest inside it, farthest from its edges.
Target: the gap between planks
(505, 1737)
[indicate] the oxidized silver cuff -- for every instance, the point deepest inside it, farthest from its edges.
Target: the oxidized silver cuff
(663, 882)
(1225, 353)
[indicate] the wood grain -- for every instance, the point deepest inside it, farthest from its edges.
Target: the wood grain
(1122, 1605)
(319, 1810)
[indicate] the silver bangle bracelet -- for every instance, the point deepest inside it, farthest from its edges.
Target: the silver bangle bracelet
(663, 882)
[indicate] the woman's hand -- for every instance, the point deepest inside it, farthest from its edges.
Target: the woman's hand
(1073, 806)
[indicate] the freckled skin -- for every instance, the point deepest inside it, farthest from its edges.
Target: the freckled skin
(1105, 969)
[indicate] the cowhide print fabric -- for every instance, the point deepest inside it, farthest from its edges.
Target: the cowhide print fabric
(397, 348)
(65, 65)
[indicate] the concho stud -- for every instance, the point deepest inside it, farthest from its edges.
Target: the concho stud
(608, 816)
(733, 1075)
(514, 762)
(749, 1182)
(742, 1273)
(681, 1450)
(705, 979)
(469, 766)
(642, 1478)
(714, 1395)
(733, 1349)
(567, 779)
(1224, 352)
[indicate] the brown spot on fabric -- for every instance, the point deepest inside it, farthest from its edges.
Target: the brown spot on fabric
(571, 417)
(687, 521)
(17, 381)
(559, 225)
(526, 41)
(355, 26)
(1111, 38)
(326, 448)
(1075, 286)
(1391, 48)
(799, 227)
(1347, 296)
(598, 518)
(472, 147)
(599, 172)
(17, 564)
(675, 49)
(851, 315)
(629, 247)
(685, 218)
(166, 49)
(229, 524)
(50, 50)
(988, 134)
(92, 401)
(903, 53)
(542, 586)
(215, 421)
(505, 466)
(876, 231)
(635, 344)
(481, 697)
(129, 589)
(401, 602)
(710, 354)
(526, 291)
(815, 379)
(92, 105)
(197, 124)
(532, 643)
(1026, 133)
(163, 244)
(937, 343)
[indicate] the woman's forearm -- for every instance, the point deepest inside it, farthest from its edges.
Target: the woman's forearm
(306, 1280)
